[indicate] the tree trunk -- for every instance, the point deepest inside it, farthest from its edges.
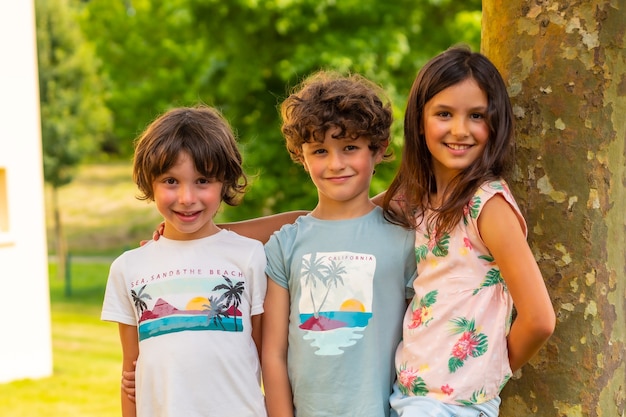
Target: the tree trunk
(565, 66)
(59, 238)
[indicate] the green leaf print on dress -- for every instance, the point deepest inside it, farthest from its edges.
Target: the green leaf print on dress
(477, 397)
(493, 276)
(471, 209)
(410, 383)
(422, 310)
(438, 248)
(470, 344)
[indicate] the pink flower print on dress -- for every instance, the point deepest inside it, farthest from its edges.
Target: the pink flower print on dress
(410, 383)
(471, 344)
(446, 389)
(422, 310)
(420, 316)
(465, 346)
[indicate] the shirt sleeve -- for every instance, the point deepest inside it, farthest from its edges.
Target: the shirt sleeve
(257, 280)
(276, 269)
(490, 189)
(118, 306)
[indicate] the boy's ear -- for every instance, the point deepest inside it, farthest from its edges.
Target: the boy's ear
(382, 150)
(303, 162)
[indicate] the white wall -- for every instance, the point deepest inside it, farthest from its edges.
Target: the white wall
(25, 336)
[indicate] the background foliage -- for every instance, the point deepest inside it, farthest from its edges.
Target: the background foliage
(243, 56)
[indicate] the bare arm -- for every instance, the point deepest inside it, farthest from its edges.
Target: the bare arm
(262, 228)
(130, 352)
(535, 321)
(378, 199)
(278, 395)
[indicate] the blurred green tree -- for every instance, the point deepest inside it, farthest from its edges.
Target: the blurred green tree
(74, 117)
(243, 56)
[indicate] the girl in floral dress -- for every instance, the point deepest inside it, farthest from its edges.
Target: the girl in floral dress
(460, 345)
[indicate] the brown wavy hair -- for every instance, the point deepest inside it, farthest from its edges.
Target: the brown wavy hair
(205, 135)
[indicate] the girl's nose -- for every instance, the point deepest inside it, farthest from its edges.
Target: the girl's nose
(460, 128)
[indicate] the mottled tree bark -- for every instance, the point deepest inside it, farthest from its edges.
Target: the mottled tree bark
(565, 67)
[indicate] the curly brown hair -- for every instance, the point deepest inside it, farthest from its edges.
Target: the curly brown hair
(328, 99)
(204, 134)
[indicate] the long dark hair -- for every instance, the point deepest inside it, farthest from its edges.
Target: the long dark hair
(415, 182)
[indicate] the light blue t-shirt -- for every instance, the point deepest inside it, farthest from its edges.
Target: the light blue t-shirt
(348, 281)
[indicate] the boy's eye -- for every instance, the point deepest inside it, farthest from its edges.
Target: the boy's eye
(351, 147)
(169, 181)
(206, 180)
(319, 151)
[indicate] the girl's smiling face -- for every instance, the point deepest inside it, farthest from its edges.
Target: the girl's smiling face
(455, 127)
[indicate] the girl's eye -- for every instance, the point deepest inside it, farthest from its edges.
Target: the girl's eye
(444, 114)
(169, 181)
(477, 116)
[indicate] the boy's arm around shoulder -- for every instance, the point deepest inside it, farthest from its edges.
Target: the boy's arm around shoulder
(501, 231)
(263, 227)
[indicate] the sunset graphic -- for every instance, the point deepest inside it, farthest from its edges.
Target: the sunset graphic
(217, 310)
(336, 301)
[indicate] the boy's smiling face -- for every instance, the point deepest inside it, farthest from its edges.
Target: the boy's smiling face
(187, 200)
(341, 170)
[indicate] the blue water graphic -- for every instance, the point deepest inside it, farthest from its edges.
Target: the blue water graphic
(173, 324)
(351, 318)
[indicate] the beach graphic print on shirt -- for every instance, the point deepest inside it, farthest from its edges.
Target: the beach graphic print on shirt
(336, 299)
(189, 304)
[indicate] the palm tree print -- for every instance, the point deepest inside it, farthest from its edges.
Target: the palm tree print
(313, 271)
(232, 295)
(215, 311)
(138, 299)
(470, 344)
(335, 271)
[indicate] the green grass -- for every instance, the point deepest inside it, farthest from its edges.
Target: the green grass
(86, 355)
(101, 217)
(100, 213)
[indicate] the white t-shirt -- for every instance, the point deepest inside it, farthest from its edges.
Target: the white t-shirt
(192, 302)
